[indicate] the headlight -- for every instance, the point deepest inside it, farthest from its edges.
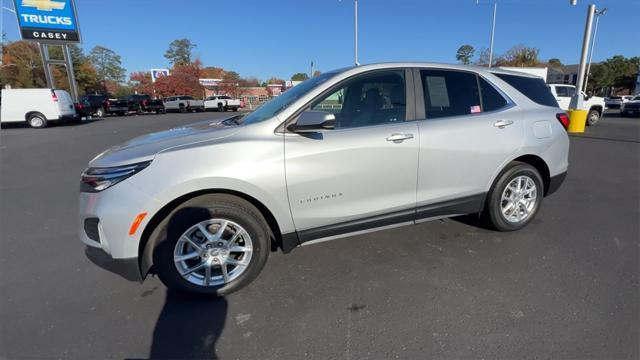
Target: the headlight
(98, 179)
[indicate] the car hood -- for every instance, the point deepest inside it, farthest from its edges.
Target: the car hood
(145, 148)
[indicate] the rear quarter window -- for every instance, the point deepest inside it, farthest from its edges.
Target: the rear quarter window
(533, 88)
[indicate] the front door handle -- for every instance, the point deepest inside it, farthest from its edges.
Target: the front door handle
(502, 123)
(398, 138)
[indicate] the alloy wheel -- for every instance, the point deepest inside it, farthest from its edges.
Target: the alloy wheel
(213, 252)
(519, 199)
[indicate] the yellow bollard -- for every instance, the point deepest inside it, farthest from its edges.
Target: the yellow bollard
(578, 121)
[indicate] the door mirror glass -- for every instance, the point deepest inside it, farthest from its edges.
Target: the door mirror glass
(314, 121)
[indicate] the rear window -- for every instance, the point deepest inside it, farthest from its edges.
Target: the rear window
(533, 88)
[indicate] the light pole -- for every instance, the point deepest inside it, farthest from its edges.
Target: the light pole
(493, 29)
(355, 30)
(577, 99)
(593, 44)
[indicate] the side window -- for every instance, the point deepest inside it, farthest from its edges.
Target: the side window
(370, 99)
(450, 93)
(561, 91)
(491, 99)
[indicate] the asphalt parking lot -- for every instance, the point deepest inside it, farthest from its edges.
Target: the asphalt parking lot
(565, 287)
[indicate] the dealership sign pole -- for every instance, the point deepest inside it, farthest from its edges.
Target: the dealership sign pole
(51, 22)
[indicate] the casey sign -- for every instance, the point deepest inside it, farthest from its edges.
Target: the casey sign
(48, 20)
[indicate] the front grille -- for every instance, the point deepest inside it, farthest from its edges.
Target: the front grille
(91, 229)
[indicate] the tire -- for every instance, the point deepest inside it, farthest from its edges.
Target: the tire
(220, 107)
(37, 121)
(593, 117)
(100, 112)
(183, 109)
(493, 214)
(183, 221)
(139, 111)
(235, 109)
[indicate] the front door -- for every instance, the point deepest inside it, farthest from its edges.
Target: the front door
(362, 174)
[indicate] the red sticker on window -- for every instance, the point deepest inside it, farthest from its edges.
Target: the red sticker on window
(475, 109)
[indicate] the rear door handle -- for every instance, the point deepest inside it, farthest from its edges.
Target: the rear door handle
(502, 123)
(398, 138)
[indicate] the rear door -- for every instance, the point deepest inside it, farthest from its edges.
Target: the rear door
(362, 174)
(65, 103)
(468, 129)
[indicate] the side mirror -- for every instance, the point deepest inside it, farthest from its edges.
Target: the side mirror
(312, 121)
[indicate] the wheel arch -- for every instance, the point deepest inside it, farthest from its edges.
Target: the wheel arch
(145, 248)
(30, 113)
(540, 165)
(599, 108)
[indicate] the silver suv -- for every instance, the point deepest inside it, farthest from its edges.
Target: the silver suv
(348, 151)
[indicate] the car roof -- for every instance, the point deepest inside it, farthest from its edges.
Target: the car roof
(474, 68)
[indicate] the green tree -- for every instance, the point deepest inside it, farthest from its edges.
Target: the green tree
(465, 54)
(179, 52)
(299, 77)
(108, 64)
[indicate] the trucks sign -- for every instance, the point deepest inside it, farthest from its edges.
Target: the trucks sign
(53, 21)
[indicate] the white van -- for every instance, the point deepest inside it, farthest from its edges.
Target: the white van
(36, 106)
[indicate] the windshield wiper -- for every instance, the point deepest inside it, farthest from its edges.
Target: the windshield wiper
(232, 120)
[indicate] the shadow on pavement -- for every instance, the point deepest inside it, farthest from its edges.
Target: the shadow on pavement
(188, 327)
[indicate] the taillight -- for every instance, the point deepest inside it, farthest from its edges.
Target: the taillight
(107, 103)
(144, 102)
(54, 97)
(564, 120)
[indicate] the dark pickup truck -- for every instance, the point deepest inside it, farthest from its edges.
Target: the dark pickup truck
(102, 105)
(144, 103)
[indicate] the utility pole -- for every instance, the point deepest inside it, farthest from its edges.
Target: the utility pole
(493, 30)
(593, 46)
(311, 73)
(577, 100)
(355, 22)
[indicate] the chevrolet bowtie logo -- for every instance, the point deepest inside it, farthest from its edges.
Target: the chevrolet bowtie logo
(46, 5)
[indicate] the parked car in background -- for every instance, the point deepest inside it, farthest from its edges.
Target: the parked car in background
(37, 107)
(183, 104)
(631, 108)
(83, 109)
(144, 103)
(202, 205)
(221, 103)
(593, 104)
(101, 105)
(614, 102)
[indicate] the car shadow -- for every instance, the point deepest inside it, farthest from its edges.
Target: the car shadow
(188, 327)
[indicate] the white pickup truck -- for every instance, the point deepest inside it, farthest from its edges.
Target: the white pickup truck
(594, 104)
(183, 104)
(221, 103)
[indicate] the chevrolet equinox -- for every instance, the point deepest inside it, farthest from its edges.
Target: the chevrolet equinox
(348, 151)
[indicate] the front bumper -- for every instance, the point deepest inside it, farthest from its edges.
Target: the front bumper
(105, 219)
(127, 268)
(631, 112)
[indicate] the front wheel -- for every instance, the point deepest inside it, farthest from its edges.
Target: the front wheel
(212, 244)
(515, 198)
(593, 117)
(100, 113)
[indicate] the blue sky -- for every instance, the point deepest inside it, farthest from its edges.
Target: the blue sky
(280, 37)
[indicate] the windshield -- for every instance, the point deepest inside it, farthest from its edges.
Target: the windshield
(279, 103)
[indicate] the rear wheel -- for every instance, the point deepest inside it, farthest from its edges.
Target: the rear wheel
(183, 109)
(220, 107)
(37, 121)
(593, 117)
(100, 112)
(212, 244)
(515, 198)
